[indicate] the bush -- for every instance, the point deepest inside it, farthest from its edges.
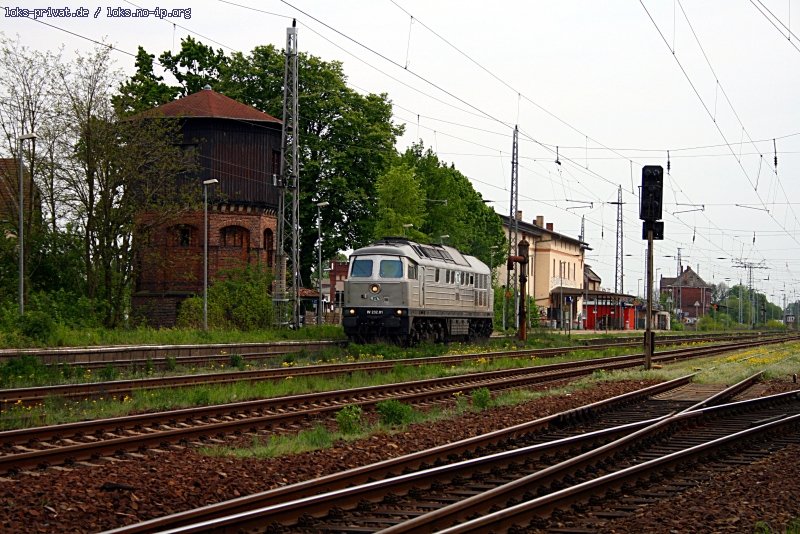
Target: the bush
(26, 367)
(237, 360)
(774, 324)
(108, 373)
(242, 300)
(349, 419)
(676, 325)
(37, 326)
(392, 412)
(481, 398)
(170, 363)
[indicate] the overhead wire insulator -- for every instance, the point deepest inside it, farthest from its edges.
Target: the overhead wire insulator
(668, 162)
(775, 151)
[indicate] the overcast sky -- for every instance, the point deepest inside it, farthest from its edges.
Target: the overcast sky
(614, 85)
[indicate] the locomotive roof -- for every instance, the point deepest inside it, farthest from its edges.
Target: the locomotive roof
(396, 246)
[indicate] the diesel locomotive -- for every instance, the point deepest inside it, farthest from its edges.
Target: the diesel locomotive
(408, 292)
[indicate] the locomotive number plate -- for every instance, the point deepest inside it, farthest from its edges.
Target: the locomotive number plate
(374, 312)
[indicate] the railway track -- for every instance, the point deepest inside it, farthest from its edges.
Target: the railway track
(164, 356)
(434, 489)
(68, 443)
(158, 355)
(120, 388)
(636, 470)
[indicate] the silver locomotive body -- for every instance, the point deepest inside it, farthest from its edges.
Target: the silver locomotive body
(409, 292)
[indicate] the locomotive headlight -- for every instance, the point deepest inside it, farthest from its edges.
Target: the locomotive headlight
(398, 312)
(375, 288)
(351, 311)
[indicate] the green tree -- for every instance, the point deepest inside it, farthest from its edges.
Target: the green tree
(115, 169)
(401, 201)
(195, 65)
(454, 208)
(144, 90)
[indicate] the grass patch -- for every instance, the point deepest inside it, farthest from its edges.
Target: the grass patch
(281, 445)
(763, 527)
(393, 412)
(349, 419)
(400, 415)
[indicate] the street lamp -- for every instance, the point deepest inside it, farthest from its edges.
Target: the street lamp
(319, 236)
(443, 237)
(492, 249)
(21, 232)
(406, 226)
(206, 183)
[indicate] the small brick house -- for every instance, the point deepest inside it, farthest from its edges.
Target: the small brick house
(690, 295)
(239, 146)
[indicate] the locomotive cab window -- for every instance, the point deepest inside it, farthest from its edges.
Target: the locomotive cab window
(361, 268)
(391, 268)
(412, 271)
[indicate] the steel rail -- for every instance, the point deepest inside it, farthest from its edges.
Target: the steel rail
(283, 411)
(397, 466)
(120, 388)
(157, 354)
(520, 513)
(233, 516)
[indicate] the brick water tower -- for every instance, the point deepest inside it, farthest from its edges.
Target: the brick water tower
(238, 146)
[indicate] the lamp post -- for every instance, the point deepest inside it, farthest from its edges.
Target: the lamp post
(21, 232)
(492, 249)
(406, 226)
(206, 183)
(443, 237)
(561, 265)
(319, 237)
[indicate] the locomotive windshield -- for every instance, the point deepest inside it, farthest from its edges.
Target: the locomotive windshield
(363, 267)
(391, 269)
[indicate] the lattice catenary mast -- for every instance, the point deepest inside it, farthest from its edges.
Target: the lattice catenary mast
(513, 232)
(619, 275)
(287, 265)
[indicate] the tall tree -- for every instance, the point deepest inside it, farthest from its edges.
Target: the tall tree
(116, 169)
(454, 208)
(27, 82)
(144, 90)
(195, 65)
(401, 202)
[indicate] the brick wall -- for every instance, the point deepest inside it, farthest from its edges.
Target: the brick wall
(172, 259)
(685, 297)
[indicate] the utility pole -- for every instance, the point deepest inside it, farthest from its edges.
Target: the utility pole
(740, 301)
(749, 266)
(619, 276)
(680, 285)
(287, 300)
(513, 233)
